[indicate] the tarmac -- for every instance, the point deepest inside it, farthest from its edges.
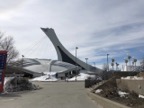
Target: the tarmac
(52, 95)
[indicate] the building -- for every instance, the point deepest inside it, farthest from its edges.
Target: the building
(64, 55)
(131, 68)
(67, 65)
(37, 67)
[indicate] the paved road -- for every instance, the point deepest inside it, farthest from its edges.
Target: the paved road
(53, 95)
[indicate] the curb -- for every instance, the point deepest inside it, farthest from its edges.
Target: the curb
(103, 102)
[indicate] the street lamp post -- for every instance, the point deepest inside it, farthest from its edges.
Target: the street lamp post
(22, 60)
(107, 63)
(86, 63)
(76, 48)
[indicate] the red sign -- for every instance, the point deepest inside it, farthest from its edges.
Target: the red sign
(3, 57)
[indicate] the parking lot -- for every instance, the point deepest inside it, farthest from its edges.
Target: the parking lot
(52, 95)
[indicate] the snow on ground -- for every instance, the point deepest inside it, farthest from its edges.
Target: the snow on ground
(132, 78)
(49, 76)
(122, 94)
(98, 91)
(6, 79)
(14, 84)
(80, 77)
(141, 96)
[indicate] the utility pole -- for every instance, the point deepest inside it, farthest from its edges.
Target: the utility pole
(107, 63)
(76, 48)
(86, 63)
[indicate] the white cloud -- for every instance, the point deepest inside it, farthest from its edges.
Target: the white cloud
(97, 27)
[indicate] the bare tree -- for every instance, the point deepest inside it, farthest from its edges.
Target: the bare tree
(1, 36)
(7, 43)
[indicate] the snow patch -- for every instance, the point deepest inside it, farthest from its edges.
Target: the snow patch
(122, 94)
(49, 76)
(141, 96)
(80, 77)
(132, 78)
(98, 90)
(14, 84)
(7, 79)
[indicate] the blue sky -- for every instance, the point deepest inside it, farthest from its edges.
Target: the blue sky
(97, 27)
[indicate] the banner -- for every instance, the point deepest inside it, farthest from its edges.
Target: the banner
(3, 57)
